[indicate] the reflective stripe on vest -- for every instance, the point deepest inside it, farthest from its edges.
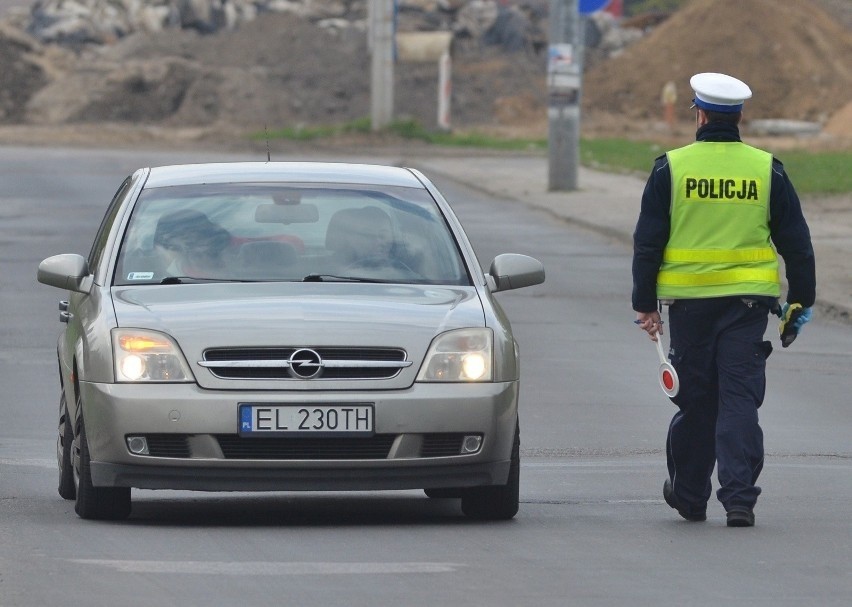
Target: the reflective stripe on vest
(719, 242)
(705, 256)
(720, 277)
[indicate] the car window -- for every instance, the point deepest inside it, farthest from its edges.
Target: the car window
(99, 246)
(277, 232)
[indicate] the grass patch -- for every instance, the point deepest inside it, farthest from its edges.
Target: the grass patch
(410, 129)
(406, 129)
(819, 172)
(308, 133)
(811, 172)
(619, 155)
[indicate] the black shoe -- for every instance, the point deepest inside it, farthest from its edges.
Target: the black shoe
(696, 516)
(740, 516)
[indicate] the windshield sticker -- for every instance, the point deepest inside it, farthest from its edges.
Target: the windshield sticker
(140, 276)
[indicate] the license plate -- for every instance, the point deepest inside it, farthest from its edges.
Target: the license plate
(261, 419)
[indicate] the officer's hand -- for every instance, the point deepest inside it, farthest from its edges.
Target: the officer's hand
(793, 318)
(804, 318)
(650, 322)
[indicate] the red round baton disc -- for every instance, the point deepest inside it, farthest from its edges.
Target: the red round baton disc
(667, 374)
(668, 380)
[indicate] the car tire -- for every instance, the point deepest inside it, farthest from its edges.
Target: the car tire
(498, 502)
(98, 503)
(63, 452)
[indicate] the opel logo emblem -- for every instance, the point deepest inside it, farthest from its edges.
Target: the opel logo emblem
(305, 363)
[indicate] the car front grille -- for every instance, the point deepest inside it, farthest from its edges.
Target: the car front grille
(324, 363)
(236, 447)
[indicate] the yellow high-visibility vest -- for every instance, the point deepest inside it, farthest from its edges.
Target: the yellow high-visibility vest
(719, 242)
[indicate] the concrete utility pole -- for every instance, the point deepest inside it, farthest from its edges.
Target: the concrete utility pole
(381, 26)
(564, 85)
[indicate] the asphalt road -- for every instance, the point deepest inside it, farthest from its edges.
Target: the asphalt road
(592, 530)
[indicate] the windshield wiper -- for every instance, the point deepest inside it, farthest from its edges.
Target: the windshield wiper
(180, 280)
(334, 277)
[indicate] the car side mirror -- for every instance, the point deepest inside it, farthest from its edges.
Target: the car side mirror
(514, 271)
(68, 271)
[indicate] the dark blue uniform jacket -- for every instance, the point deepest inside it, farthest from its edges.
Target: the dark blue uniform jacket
(787, 226)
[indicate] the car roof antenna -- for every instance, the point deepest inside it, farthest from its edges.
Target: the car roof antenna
(268, 155)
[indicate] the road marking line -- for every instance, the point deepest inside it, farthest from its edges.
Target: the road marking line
(829, 462)
(267, 567)
(25, 461)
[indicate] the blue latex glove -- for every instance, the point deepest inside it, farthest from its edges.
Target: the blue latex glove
(793, 318)
(802, 320)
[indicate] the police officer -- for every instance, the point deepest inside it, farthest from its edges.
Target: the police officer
(711, 213)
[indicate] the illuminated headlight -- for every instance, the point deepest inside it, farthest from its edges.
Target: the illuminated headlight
(147, 356)
(463, 355)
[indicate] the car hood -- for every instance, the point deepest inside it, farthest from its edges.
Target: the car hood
(310, 315)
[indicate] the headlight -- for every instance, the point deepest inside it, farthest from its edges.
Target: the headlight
(463, 355)
(147, 356)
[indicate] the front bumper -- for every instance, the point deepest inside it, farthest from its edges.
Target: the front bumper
(338, 478)
(114, 411)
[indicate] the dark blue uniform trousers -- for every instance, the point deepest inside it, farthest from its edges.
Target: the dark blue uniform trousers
(718, 351)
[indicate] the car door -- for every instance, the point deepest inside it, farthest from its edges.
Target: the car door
(85, 317)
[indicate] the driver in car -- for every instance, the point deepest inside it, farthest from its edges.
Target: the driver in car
(372, 239)
(190, 244)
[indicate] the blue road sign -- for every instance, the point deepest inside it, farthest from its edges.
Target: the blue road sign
(591, 6)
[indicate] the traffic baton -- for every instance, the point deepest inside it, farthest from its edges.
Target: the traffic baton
(667, 374)
(787, 329)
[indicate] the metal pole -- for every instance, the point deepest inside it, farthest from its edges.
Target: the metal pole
(444, 90)
(564, 86)
(381, 25)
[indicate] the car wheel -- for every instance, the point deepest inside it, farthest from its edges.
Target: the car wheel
(498, 502)
(63, 452)
(101, 503)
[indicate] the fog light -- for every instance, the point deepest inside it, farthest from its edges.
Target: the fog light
(137, 445)
(471, 444)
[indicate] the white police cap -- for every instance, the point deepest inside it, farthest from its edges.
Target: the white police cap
(719, 92)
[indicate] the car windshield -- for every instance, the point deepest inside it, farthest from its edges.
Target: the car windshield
(277, 232)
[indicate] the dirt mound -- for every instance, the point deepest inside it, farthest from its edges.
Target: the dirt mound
(276, 71)
(840, 124)
(796, 59)
(281, 70)
(20, 75)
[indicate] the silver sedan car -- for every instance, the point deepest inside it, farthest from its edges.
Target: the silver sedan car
(286, 326)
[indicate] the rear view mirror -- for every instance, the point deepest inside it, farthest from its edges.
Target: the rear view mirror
(286, 213)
